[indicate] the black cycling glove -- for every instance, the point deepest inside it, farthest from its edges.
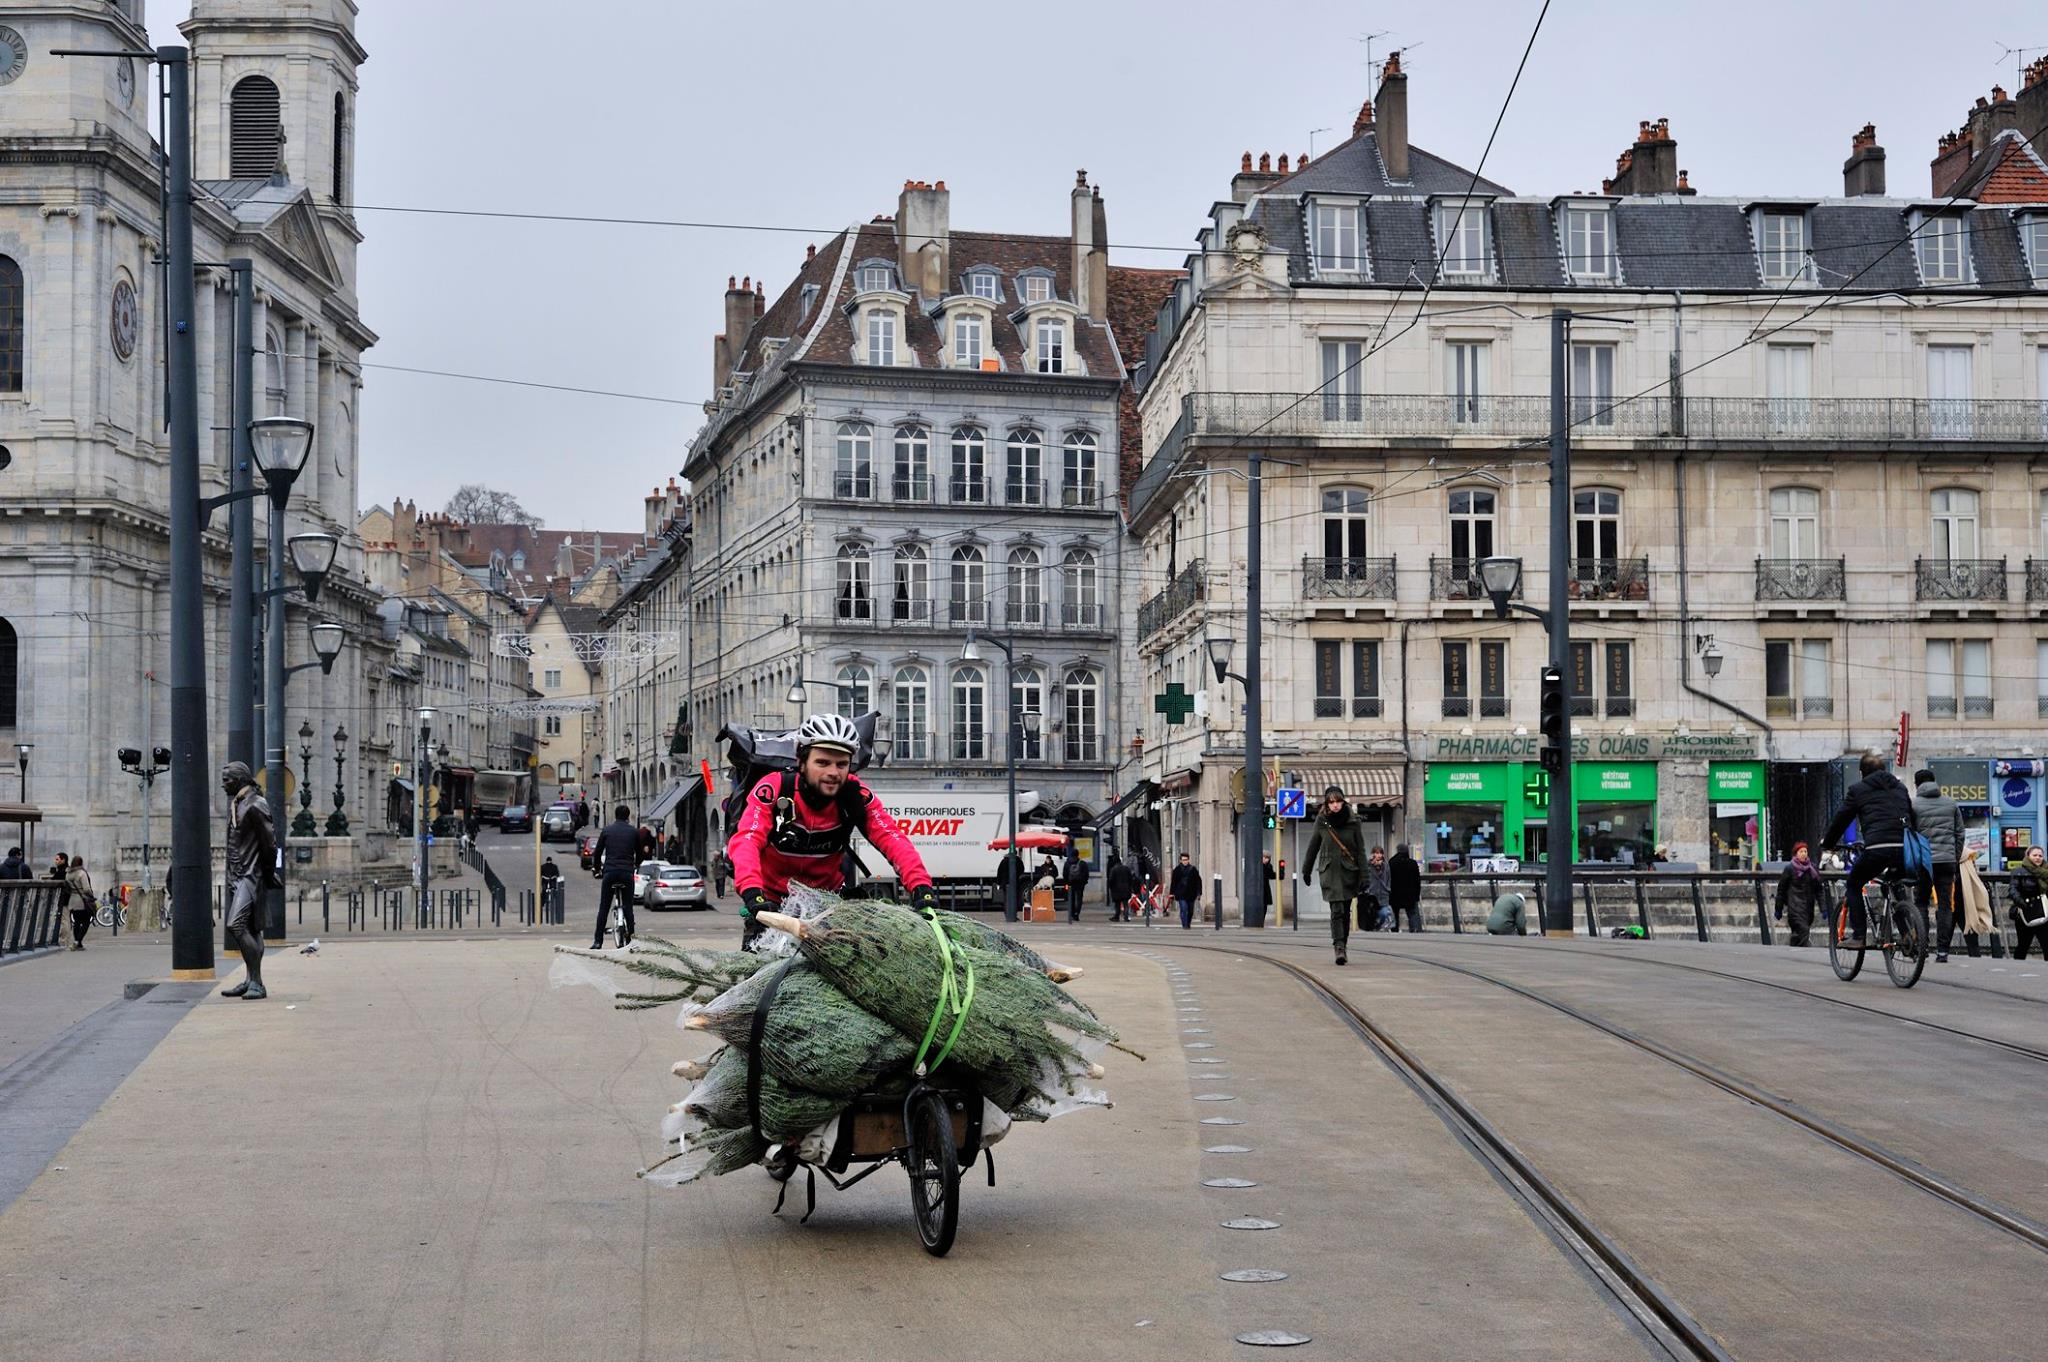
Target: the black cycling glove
(753, 901)
(924, 898)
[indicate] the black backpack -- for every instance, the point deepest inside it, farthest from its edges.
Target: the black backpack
(752, 753)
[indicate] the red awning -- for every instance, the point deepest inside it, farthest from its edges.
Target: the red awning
(1033, 839)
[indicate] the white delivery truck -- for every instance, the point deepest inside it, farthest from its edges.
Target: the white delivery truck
(951, 830)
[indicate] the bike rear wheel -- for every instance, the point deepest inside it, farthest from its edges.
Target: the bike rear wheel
(1846, 960)
(934, 1165)
(1906, 956)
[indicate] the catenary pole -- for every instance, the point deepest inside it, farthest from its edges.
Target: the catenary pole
(191, 835)
(1251, 881)
(1557, 874)
(273, 710)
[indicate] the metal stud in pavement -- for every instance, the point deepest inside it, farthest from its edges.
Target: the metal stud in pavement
(1199, 1045)
(1227, 1149)
(1228, 1182)
(1250, 1222)
(1194, 1030)
(1221, 1121)
(1274, 1338)
(1214, 1097)
(1254, 1274)
(1206, 1059)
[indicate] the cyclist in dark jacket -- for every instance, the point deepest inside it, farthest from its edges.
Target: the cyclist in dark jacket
(1881, 807)
(616, 853)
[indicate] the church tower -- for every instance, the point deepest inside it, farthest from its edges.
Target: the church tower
(274, 99)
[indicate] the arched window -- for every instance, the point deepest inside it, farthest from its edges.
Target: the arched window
(1083, 705)
(970, 465)
(853, 473)
(13, 325)
(853, 591)
(1077, 476)
(1345, 545)
(340, 192)
(255, 130)
(1027, 696)
(1080, 590)
(10, 675)
(970, 714)
(913, 472)
(1795, 522)
(856, 690)
(1024, 483)
(913, 714)
(968, 600)
(1025, 590)
(910, 594)
(1954, 510)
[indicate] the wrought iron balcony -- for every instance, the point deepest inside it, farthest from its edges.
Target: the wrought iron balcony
(968, 491)
(1457, 579)
(1081, 495)
(1973, 707)
(2037, 579)
(1802, 707)
(1180, 594)
(1610, 579)
(1801, 579)
(911, 487)
(1023, 491)
(1959, 579)
(856, 486)
(1829, 419)
(1081, 615)
(1355, 579)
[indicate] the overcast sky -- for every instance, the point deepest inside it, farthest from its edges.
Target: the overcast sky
(811, 115)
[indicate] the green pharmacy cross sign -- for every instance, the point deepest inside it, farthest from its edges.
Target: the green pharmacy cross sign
(1536, 787)
(1174, 702)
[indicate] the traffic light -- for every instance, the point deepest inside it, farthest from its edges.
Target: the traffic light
(1271, 821)
(1553, 723)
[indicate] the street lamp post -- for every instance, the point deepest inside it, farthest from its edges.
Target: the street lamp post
(21, 751)
(419, 804)
(1252, 883)
(303, 824)
(337, 822)
(159, 761)
(970, 652)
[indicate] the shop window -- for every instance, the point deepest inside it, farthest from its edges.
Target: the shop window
(1459, 832)
(1616, 832)
(1584, 703)
(1457, 679)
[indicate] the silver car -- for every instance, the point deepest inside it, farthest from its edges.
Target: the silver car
(664, 884)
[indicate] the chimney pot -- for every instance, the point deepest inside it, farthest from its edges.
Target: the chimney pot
(1682, 184)
(1998, 94)
(1301, 163)
(1080, 179)
(811, 252)
(1981, 101)
(1265, 162)
(1283, 163)
(1364, 119)
(1393, 66)
(731, 282)
(1244, 167)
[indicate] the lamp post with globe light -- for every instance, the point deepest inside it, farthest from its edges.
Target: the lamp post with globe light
(337, 822)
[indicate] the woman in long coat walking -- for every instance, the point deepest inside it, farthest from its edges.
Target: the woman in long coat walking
(1338, 847)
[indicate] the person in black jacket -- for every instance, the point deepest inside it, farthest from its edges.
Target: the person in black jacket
(1803, 893)
(616, 853)
(1880, 805)
(1185, 888)
(1404, 888)
(1120, 883)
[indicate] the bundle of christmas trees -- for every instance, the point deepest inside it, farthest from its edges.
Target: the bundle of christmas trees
(851, 997)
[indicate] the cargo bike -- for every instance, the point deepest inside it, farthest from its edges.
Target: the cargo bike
(932, 1127)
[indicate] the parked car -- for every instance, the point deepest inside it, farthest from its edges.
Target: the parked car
(558, 823)
(515, 818)
(586, 851)
(664, 884)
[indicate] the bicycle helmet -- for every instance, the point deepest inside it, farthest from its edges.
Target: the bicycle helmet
(835, 731)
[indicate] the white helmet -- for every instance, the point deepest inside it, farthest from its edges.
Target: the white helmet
(828, 730)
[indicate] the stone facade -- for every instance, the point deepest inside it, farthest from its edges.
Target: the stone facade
(83, 541)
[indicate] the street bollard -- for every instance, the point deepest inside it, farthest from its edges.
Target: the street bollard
(1642, 909)
(1699, 910)
(1763, 920)
(1592, 922)
(1457, 919)
(1216, 899)
(326, 904)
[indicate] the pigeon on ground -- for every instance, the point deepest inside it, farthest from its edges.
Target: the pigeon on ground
(311, 948)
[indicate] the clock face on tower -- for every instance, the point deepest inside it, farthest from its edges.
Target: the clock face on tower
(124, 319)
(124, 79)
(13, 54)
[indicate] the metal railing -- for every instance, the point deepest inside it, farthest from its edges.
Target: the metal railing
(1351, 579)
(1527, 416)
(1081, 494)
(1959, 579)
(1023, 491)
(2037, 579)
(968, 491)
(1803, 707)
(1457, 579)
(1081, 615)
(1610, 579)
(911, 487)
(853, 486)
(1801, 579)
(30, 916)
(1180, 595)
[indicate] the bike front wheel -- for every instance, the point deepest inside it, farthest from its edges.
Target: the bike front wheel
(934, 1165)
(1906, 957)
(1847, 960)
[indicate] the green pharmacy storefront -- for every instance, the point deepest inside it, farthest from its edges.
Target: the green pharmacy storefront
(1480, 809)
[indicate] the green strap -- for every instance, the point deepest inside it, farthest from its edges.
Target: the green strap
(952, 997)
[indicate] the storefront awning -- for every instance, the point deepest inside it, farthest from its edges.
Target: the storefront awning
(20, 813)
(1374, 786)
(1129, 797)
(672, 796)
(1180, 782)
(462, 772)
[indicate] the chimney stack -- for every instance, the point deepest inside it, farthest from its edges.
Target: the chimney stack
(739, 318)
(1988, 118)
(924, 242)
(1863, 172)
(1390, 115)
(2031, 111)
(1364, 120)
(1081, 218)
(1951, 159)
(1650, 166)
(1248, 182)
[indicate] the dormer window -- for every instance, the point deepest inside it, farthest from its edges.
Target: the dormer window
(881, 337)
(875, 279)
(1037, 288)
(1461, 237)
(806, 300)
(2034, 238)
(985, 284)
(1939, 238)
(1338, 238)
(1588, 241)
(969, 335)
(1050, 336)
(1781, 247)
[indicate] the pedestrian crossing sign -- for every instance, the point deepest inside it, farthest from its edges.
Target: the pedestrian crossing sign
(1292, 803)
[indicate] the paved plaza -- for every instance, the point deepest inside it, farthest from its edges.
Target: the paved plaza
(416, 1148)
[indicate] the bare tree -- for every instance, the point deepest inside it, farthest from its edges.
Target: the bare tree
(480, 505)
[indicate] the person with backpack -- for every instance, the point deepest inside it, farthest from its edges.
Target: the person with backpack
(1338, 845)
(1941, 822)
(1882, 809)
(798, 827)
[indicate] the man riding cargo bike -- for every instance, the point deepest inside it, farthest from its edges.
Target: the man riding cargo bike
(797, 826)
